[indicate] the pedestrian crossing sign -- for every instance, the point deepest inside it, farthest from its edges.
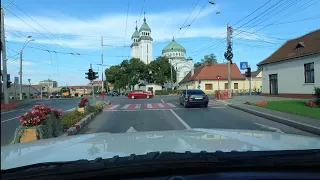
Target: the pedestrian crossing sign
(244, 65)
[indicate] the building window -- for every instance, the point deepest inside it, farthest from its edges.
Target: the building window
(235, 86)
(225, 85)
(309, 73)
(208, 87)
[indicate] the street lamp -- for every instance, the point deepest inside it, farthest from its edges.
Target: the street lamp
(21, 52)
(29, 87)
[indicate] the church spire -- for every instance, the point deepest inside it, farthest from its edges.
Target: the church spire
(136, 26)
(144, 18)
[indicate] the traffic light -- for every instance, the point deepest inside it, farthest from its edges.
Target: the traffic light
(9, 84)
(89, 74)
(95, 75)
(248, 72)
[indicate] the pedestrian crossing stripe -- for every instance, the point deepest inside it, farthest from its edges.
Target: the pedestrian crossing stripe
(146, 106)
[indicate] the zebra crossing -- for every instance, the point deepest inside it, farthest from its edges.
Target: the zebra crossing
(147, 106)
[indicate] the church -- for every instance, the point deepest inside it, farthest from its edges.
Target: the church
(141, 48)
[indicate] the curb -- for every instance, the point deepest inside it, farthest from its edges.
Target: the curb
(297, 125)
(81, 124)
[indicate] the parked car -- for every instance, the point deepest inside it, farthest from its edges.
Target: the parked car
(139, 94)
(55, 95)
(191, 97)
(113, 93)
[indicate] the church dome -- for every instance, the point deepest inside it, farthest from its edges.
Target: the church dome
(145, 26)
(135, 34)
(173, 47)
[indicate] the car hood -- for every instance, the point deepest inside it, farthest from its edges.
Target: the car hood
(106, 145)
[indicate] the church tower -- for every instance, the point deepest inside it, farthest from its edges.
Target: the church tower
(135, 45)
(145, 42)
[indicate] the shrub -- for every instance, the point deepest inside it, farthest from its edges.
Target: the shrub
(69, 119)
(38, 115)
(311, 104)
(317, 92)
(83, 102)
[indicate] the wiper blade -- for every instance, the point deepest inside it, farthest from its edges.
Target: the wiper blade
(181, 160)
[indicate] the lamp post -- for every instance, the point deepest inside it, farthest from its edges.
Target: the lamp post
(29, 87)
(21, 52)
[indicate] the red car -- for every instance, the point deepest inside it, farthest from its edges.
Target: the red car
(139, 94)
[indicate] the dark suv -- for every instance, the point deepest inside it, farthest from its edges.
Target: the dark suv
(192, 97)
(113, 93)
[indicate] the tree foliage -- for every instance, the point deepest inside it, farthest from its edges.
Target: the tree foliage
(129, 72)
(207, 59)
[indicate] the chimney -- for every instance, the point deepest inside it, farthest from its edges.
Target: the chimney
(192, 72)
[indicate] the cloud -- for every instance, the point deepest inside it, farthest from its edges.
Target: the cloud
(84, 33)
(17, 63)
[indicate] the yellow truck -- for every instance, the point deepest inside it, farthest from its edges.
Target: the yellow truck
(65, 92)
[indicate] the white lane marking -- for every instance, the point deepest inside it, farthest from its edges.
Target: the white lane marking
(179, 118)
(223, 102)
(114, 107)
(10, 119)
(171, 105)
(156, 109)
(125, 106)
(131, 129)
(13, 111)
(269, 127)
(138, 106)
(69, 110)
(162, 101)
(149, 105)
(160, 105)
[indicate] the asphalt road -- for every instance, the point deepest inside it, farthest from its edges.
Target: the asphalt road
(165, 113)
(10, 119)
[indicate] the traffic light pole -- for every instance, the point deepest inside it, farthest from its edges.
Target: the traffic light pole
(229, 63)
(93, 95)
(4, 60)
(102, 85)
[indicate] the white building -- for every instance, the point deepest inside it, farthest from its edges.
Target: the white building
(294, 69)
(141, 46)
(176, 53)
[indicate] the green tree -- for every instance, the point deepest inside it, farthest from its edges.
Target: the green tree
(209, 59)
(159, 71)
(197, 64)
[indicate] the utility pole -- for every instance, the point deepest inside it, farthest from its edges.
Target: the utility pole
(4, 60)
(228, 55)
(102, 86)
(20, 73)
(93, 98)
(171, 74)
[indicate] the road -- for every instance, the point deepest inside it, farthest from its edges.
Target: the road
(163, 113)
(10, 119)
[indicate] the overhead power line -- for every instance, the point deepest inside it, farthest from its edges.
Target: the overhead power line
(252, 12)
(183, 25)
(141, 12)
(125, 31)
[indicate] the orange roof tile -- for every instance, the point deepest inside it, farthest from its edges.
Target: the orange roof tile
(209, 72)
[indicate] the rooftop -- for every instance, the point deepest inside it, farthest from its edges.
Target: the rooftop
(307, 44)
(209, 72)
(173, 47)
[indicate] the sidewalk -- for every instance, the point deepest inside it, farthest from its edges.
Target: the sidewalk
(303, 123)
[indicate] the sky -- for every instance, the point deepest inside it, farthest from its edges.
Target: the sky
(66, 35)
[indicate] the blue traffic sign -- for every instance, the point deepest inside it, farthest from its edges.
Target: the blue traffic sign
(198, 86)
(244, 65)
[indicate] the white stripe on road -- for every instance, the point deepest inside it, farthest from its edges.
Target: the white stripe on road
(138, 106)
(149, 106)
(114, 107)
(162, 101)
(269, 127)
(160, 105)
(179, 118)
(125, 106)
(171, 105)
(5, 112)
(10, 119)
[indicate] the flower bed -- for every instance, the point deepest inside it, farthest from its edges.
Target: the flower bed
(41, 122)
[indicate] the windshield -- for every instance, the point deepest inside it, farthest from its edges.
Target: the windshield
(86, 80)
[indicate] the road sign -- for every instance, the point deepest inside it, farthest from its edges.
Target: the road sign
(244, 65)
(218, 77)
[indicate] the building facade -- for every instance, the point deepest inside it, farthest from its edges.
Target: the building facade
(205, 77)
(294, 69)
(176, 54)
(141, 46)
